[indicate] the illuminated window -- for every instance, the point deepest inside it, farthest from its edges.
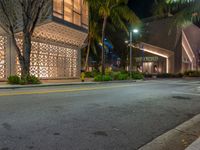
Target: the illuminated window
(77, 6)
(68, 10)
(84, 15)
(77, 19)
(74, 11)
(58, 8)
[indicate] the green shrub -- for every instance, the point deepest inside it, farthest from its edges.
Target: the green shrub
(89, 75)
(120, 75)
(125, 72)
(107, 78)
(102, 78)
(24, 80)
(14, 80)
(137, 76)
(32, 80)
(98, 78)
(115, 75)
(108, 71)
(170, 75)
(192, 74)
(123, 77)
(165, 75)
(148, 75)
(178, 75)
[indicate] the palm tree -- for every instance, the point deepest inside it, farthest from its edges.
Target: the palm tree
(117, 12)
(183, 10)
(93, 34)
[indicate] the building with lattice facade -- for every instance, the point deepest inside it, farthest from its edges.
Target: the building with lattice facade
(56, 43)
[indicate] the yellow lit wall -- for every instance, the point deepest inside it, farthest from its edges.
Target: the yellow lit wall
(3, 43)
(74, 11)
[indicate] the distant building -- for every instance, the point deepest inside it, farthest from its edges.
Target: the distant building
(170, 49)
(56, 43)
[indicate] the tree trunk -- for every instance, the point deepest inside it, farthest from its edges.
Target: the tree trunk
(25, 68)
(103, 47)
(87, 55)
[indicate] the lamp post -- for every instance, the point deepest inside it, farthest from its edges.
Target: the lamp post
(130, 42)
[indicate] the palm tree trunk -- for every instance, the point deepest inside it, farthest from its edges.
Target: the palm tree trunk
(88, 53)
(103, 47)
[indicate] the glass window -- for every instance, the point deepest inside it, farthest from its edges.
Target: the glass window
(77, 6)
(68, 10)
(84, 14)
(58, 8)
(77, 19)
(74, 11)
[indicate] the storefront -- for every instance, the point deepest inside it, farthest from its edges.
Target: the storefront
(151, 64)
(170, 50)
(56, 44)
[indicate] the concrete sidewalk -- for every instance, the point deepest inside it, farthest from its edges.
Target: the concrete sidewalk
(179, 138)
(195, 145)
(48, 83)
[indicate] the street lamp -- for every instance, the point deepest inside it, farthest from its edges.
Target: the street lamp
(134, 31)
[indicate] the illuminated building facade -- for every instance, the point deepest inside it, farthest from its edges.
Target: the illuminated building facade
(56, 43)
(168, 48)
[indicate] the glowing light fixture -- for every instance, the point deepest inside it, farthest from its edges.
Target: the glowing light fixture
(135, 31)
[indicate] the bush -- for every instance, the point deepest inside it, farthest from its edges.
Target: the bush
(102, 78)
(25, 80)
(137, 76)
(108, 71)
(32, 80)
(107, 78)
(170, 75)
(14, 80)
(89, 75)
(123, 77)
(165, 75)
(148, 75)
(115, 75)
(179, 75)
(98, 78)
(120, 76)
(192, 74)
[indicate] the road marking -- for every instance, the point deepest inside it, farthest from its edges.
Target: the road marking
(193, 94)
(65, 90)
(177, 83)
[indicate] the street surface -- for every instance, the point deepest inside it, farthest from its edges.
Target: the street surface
(117, 116)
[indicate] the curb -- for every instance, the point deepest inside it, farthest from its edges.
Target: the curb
(178, 138)
(63, 84)
(194, 146)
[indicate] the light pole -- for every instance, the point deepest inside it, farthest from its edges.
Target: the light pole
(134, 31)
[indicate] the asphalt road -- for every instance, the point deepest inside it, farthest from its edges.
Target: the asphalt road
(120, 116)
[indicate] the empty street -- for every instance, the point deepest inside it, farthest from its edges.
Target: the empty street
(107, 116)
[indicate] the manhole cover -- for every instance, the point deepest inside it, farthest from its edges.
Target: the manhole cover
(181, 97)
(100, 133)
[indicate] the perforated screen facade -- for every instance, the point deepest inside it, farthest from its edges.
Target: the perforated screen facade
(51, 61)
(3, 44)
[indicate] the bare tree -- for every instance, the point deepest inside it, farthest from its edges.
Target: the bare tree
(22, 16)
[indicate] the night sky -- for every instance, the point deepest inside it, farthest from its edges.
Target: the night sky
(141, 7)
